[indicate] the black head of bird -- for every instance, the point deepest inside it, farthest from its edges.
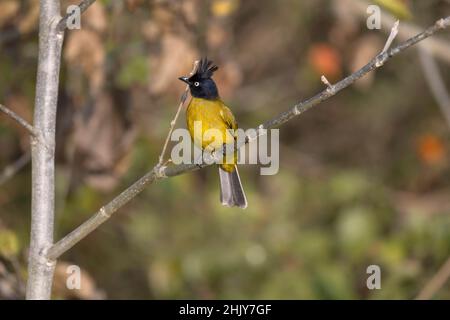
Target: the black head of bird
(200, 83)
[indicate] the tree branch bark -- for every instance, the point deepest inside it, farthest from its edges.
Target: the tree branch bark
(40, 270)
(161, 172)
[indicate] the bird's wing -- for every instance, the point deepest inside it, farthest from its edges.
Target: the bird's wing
(228, 117)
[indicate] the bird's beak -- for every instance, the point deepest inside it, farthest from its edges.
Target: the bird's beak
(184, 79)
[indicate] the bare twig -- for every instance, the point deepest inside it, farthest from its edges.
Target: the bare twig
(159, 172)
(327, 83)
(435, 82)
(40, 270)
(62, 24)
(174, 121)
(15, 167)
(392, 35)
(436, 283)
(18, 119)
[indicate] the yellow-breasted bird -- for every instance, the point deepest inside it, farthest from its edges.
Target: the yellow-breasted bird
(207, 108)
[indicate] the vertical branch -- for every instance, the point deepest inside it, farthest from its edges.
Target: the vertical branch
(40, 271)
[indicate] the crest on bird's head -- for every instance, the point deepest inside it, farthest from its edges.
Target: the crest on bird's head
(201, 85)
(205, 69)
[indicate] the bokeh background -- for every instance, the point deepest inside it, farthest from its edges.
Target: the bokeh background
(364, 177)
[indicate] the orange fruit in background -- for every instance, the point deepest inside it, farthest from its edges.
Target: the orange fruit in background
(325, 60)
(431, 149)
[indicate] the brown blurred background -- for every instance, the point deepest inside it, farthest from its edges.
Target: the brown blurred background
(364, 177)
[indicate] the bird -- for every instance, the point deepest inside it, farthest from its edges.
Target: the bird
(207, 106)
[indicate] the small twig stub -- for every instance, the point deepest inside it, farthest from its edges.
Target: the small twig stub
(392, 36)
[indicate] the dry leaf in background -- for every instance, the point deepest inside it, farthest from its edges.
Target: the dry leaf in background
(29, 22)
(84, 49)
(346, 25)
(217, 36)
(163, 18)
(8, 10)
(102, 138)
(176, 59)
(95, 18)
(102, 134)
(88, 288)
(190, 11)
(228, 78)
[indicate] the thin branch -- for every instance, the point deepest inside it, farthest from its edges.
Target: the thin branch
(161, 172)
(436, 283)
(435, 82)
(62, 24)
(18, 119)
(174, 121)
(15, 167)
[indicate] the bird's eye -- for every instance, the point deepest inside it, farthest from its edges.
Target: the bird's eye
(196, 84)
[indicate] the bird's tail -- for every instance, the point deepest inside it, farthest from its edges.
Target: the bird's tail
(231, 191)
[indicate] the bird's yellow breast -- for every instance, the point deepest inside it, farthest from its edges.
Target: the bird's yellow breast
(208, 121)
